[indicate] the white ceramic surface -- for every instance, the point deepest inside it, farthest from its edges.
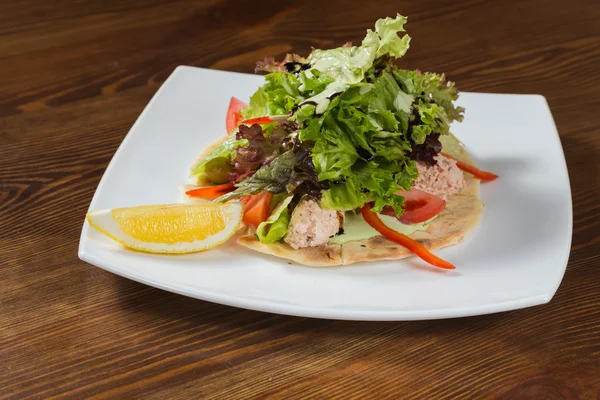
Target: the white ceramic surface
(516, 258)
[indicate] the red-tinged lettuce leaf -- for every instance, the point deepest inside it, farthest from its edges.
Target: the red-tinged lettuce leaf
(268, 64)
(304, 178)
(261, 150)
(291, 63)
(272, 178)
(292, 172)
(426, 151)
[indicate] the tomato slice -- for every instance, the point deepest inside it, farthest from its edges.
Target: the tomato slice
(257, 210)
(419, 207)
(234, 116)
(249, 201)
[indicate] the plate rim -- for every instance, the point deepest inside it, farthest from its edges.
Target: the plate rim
(298, 310)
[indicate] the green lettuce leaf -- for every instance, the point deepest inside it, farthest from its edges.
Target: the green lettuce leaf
(432, 118)
(348, 64)
(352, 122)
(276, 226)
(383, 179)
(389, 42)
(305, 116)
(224, 150)
(389, 146)
(333, 154)
(344, 196)
(432, 86)
(434, 101)
(313, 81)
(383, 101)
(312, 131)
(304, 113)
(277, 96)
(387, 95)
(362, 145)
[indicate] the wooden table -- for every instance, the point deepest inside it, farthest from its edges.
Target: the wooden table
(74, 76)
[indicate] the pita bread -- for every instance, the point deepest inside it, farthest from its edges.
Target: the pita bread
(323, 256)
(460, 216)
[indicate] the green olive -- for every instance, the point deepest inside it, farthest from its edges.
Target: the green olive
(216, 170)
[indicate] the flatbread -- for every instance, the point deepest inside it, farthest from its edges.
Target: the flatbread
(460, 216)
(323, 256)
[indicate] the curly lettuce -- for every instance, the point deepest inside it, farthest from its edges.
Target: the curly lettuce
(349, 64)
(362, 145)
(368, 139)
(279, 94)
(356, 126)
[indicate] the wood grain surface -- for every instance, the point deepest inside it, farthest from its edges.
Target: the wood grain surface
(75, 75)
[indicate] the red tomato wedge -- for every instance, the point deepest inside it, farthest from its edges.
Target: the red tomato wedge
(419, 207)
(234, 116)
(249, 201)
(211, 192)
(477, 173)
(417, 248)
(257, 210)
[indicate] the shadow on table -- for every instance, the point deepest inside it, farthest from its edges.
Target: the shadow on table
(161, 307)
(583, 162)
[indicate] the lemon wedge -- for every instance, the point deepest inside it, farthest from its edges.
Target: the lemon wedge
(169, 228)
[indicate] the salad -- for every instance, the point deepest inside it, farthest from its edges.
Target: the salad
(336, 139)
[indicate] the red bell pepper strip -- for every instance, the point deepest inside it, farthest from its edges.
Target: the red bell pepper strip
(211, 192)
(417, 248)
(476, 172)
(265, 120)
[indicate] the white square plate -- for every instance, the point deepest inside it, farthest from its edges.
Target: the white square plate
(516, 258)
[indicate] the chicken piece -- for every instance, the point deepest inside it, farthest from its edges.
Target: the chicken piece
(442, 180)
(311, 225)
